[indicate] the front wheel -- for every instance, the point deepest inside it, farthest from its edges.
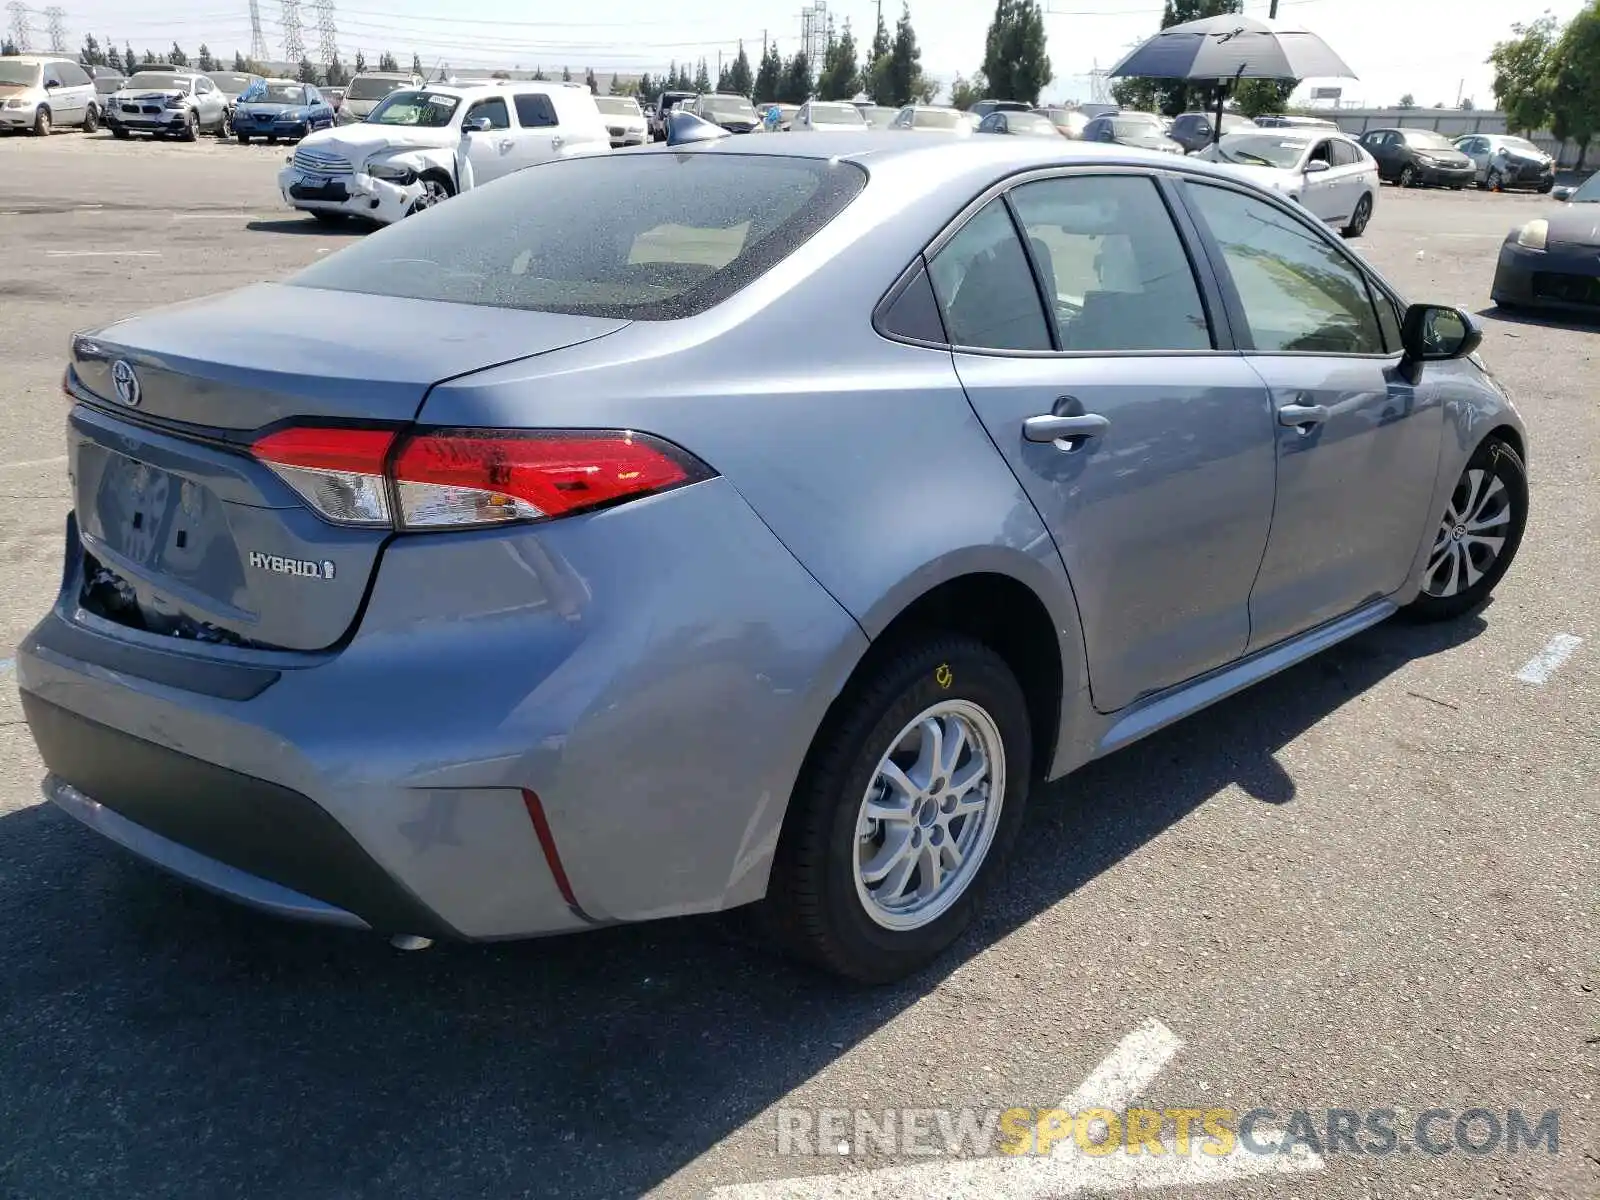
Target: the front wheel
(1496, 182)
(244, 139)
(1359, 219)
(191, 128)
(119, 134)
(91, 120)
(904, 813)
(41, 123)
(435, 191)
(224, 127)
(1478, 536)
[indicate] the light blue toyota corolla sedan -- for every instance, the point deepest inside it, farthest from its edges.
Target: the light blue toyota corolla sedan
(751, 521)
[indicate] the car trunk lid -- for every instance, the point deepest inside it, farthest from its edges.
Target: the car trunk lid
(184, 531)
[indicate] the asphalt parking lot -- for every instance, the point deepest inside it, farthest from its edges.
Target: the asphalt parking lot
(1371, 883)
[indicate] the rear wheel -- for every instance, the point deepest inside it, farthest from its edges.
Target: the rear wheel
(1477, 537)
(41, 122)
(1359, 219)
(904, 812)
(91, 120)
(119, 133)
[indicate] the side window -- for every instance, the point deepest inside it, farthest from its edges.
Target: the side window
(73, 75)
(202, 87)
(495, 109)
(52, 74)
(985, 287)
(1388, 321)
(535, 111)
(1299, 293)
(313, 96)
(1344, 154)
(1322, 152)
(1112, 260)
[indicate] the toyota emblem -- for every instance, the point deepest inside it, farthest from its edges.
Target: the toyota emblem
(125, 381)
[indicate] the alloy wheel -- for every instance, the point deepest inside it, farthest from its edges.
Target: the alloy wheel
(433, 192)
(1408, 177)
(41, 123)
(929, 815)
(1476, 523)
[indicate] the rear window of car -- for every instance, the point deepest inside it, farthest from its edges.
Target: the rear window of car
(836, 114)
(364, 87)
(635, 237)
(930, 118)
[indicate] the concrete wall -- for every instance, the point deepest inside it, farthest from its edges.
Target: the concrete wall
(1451, 122)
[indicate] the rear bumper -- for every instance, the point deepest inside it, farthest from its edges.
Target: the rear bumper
(533, 730)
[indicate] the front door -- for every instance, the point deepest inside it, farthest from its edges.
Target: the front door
(1357, 443)
(1148, 453)
(490, 153)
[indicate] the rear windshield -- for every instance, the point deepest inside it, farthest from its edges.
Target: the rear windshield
(1427, 139)
(647, 237)
(364, 87)
(1136, 125)
(836, 114)
(723, 108)
(617, 106)
(933, 118)
(158, 81)
(231, 83)
(106, 84)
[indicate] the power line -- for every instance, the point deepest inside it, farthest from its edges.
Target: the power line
(258, 40)
(56, 25)
(327, 33)
(21, 33)
(294, 48)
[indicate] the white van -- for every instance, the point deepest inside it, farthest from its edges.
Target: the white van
(425, 144)
(40, 92)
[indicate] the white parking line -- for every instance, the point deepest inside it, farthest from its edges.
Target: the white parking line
(1538, 669)
(1064, 1171)
(33, 462)
(232, 216)
(103, 253)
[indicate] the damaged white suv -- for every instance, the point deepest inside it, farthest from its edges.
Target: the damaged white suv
(425, 144)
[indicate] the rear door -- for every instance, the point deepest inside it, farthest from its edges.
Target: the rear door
(1145, 445)
(1381, 146)
(539, 136)
(80, 87)
(1357, 442)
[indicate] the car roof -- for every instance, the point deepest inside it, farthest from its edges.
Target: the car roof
(469, 90)
(38, 60)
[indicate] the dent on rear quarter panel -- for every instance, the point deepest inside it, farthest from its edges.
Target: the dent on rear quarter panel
(654, 672)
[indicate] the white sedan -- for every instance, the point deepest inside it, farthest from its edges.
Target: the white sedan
(1327, 172)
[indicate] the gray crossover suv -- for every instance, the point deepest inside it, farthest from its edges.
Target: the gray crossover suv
(756, 520)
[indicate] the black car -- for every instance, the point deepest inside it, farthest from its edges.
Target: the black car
(1553, 261)
(1197, 130)
(1024, 124)
(658, 113)
(1418, 157)
(1143, 131)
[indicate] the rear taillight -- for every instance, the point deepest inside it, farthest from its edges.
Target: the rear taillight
(459, 478)
(339, 472)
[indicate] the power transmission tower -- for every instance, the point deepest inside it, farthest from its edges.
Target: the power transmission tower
(294, 47)
(258, 40)
(19, 26)
(1099, 89)
(56, 26)
(814, 31)
(327, 33)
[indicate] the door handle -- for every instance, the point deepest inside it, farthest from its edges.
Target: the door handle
(557, 142)
(1304, 417)
(1068, 434)
(505, 144)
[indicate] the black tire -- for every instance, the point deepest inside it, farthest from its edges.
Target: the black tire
(224, 128)
(1359, 218)
(1494, 181)
(813, 907)
(437, 190)
(91, 119)
(191, 128)
(1408, 176)
(1501, 463)
(271, 140)
(244, 139)
(119, 134)
(41, 122)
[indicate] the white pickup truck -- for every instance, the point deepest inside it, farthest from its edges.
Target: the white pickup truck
(425, 144)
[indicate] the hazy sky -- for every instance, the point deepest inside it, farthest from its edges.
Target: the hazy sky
(1396, 46)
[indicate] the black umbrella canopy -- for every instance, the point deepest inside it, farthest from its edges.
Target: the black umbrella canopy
(1233, 46)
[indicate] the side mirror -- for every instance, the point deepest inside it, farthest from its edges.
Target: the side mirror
(51, 83)
(1437, 332)
(1316, 166)
(477, 125)
(1562, 193)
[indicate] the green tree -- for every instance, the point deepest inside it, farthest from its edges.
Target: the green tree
(1407, 101)
(129, 60)
(239, 63)
(307, 72)
(1522, 65)
(114, 59)
(903, 78)
(1467, 104)
(769, 78)
(724, 87)
(1173, 96)
(566, 75)
(591, 81)
(1261, 97)
(1575, 81)
(740, 79)
(964, 92)
(91, 54)
(150, 58)
(645, 89)
(1015, 63)
(702, 78)
(336, 75)
(538, 73)
(416, 64)
(795, 86)
(203, 60)
(360, 65)
(387, 63)
(9, 48)
(178, 58)
(841, 73)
